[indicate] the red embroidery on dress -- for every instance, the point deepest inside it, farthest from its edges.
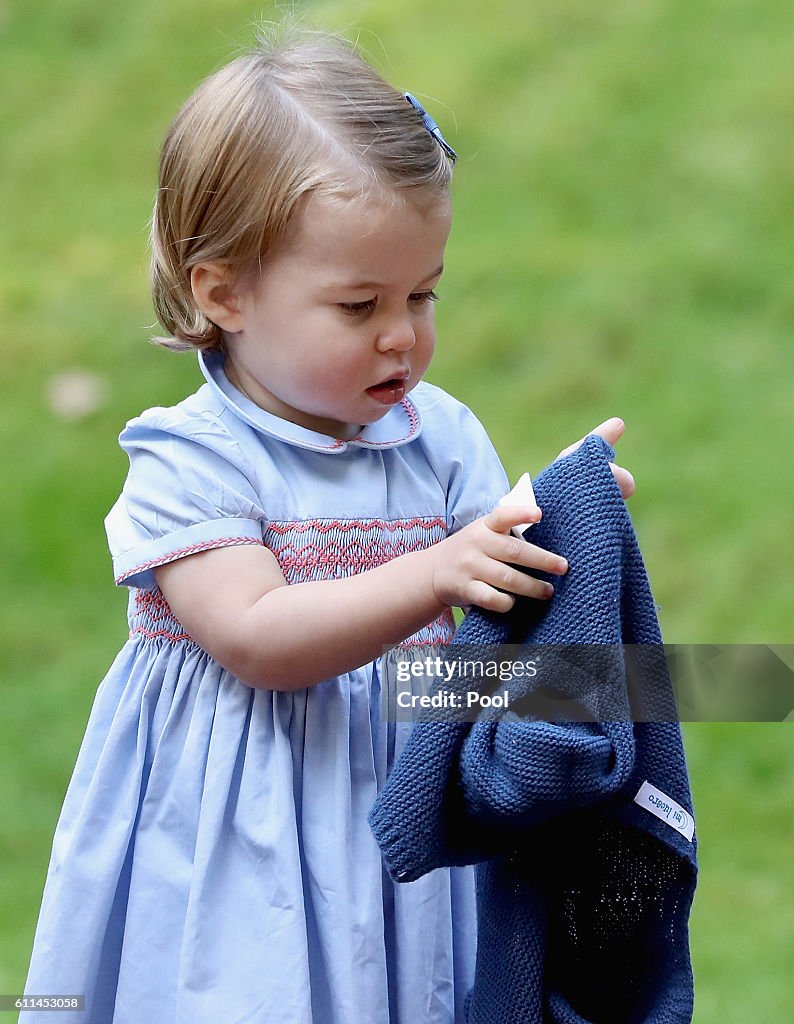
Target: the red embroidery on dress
(312, 549)
(192, 549)
(326, 549)
(439, 631)
(413, 420)
(328, 561)
(155, 634)
(152, 610)
(326, 525)
(152, 603)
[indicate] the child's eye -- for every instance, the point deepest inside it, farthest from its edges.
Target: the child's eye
(357, 308)
(422, 297)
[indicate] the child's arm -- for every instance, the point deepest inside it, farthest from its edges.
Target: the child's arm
(236, 604)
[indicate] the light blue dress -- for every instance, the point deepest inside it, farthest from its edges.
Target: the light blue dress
(213, 863)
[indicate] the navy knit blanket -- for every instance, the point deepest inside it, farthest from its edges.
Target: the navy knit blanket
(581, 829)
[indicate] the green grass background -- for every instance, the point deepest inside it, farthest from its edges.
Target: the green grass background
(622, 245)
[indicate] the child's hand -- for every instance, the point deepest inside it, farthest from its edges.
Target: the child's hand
(611, 431)
(476, 565)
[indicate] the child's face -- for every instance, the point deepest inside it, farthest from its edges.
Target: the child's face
(340, 325)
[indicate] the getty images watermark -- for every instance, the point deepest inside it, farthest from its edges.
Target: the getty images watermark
(437, 673)
(589, 682)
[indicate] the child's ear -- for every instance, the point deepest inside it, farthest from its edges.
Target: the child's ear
(216, 296)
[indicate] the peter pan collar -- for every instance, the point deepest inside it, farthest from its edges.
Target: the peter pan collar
(401, 424)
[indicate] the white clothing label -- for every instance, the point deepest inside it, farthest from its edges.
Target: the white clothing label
(522, 494)
(664, 807)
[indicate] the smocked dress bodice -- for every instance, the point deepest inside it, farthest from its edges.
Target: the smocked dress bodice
(213, 860)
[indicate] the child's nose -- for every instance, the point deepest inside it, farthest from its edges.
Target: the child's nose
(398, 335)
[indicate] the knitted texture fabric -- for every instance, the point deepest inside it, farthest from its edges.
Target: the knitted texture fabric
(583, 895)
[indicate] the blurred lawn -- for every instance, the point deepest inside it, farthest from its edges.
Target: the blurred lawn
(623, 245)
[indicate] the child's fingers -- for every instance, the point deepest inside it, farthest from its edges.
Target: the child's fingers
(485, 596)
(611, 430)
(493, 578)
(533, 557)
(501, 568)
(623, 479)
(504, 517)
(514, 581)
(498, 593)
(506, 550)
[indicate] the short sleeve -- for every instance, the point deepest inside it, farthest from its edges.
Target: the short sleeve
(188, 490)
(476, 478)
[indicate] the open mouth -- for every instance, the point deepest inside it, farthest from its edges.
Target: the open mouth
(390, 391)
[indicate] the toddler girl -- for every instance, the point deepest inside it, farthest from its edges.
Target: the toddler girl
(312, 502)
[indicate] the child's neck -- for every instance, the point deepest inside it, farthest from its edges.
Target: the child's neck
(353, 430)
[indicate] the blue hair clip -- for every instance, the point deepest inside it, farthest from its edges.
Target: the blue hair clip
(432, 127)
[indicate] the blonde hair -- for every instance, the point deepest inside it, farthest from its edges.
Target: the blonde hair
(294, 117)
